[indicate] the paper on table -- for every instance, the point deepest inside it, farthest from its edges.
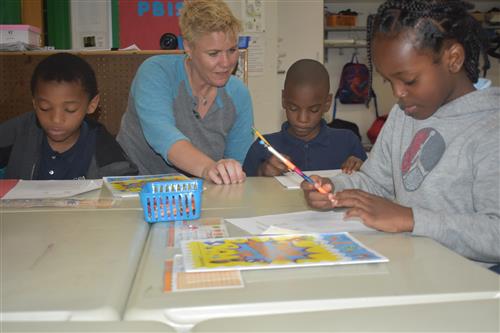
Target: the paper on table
(302, 222)
(44, 189)
(273, 230)
(291, 180)
(177, 279)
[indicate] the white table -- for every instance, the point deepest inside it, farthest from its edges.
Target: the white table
(250, 198)
(68, 265)
(77, 265)
(420, 271)
(461, 316)
(84, 326)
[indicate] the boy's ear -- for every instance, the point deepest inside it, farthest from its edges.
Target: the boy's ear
(283, 98)
(94, 103)
(455, 57)
(328, 103)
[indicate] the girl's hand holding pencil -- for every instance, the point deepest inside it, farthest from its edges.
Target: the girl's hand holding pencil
(319, 193)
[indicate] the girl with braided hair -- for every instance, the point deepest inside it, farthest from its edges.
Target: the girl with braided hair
(435, 168)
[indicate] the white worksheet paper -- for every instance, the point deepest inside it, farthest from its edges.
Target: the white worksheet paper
(292, 181)
(300, 222)
(44, 189)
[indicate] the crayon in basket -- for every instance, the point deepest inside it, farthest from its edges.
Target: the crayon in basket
(172, 200)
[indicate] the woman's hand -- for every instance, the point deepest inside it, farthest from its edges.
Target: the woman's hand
(376, 212)
(225, 171)
(272, 167)
(351, 164)
(316, 199)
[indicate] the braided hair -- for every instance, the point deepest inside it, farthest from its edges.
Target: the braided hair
(434, 22)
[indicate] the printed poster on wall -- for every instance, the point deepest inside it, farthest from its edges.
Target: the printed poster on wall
(143, 22)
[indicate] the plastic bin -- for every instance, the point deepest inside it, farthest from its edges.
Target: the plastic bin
(336, 20)
(11, 33)
(172, 200)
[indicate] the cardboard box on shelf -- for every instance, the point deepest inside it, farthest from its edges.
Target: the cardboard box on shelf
(12, 33)
(336, 20)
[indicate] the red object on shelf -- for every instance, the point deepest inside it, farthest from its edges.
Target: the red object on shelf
(144, 22)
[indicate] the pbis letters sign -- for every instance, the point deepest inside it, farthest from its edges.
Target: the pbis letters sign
(142, 22)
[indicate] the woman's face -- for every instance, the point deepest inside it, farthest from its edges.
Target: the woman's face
(213, 57)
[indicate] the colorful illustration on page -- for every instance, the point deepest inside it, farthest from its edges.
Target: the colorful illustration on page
(260, 251)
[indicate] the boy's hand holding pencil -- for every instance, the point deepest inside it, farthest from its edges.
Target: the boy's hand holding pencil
(272, 167)
(292, 167)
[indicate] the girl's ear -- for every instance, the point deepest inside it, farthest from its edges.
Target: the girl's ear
(455, 57)
(94, 103)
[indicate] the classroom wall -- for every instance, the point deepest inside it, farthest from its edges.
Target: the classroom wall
(293, 30)
(297, 31)
(300, 35)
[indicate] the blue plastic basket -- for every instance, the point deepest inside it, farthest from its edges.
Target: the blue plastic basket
(172, 200)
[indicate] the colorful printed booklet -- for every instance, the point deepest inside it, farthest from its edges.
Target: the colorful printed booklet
(130, 186)
(276, 251)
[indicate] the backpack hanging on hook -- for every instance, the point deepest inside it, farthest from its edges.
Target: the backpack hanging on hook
(354, 86)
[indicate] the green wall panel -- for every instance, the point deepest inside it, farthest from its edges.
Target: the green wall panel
(58, 23)
(10, 11)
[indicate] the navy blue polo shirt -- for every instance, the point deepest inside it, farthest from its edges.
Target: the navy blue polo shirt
(328, 150)
(71, 164)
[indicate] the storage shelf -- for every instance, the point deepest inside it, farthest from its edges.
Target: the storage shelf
(353, 28)
(339, 43)
(342, 45)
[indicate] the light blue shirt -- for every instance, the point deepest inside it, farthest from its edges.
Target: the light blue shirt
(162, 111)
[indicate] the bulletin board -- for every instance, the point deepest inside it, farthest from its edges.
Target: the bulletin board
(144, 22)
(115, 71)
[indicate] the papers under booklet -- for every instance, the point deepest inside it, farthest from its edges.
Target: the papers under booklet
(292, 181)
(130, 186)
(47, 189)
(277, 251)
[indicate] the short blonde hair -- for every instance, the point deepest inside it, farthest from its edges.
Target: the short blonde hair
(199, 17)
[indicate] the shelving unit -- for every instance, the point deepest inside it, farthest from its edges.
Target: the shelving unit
(353, 28)
(342, 43)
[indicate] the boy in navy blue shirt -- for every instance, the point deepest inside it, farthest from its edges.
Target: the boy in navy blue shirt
(58, 141)
(305, 138)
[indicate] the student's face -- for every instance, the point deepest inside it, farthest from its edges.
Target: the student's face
(60, 108)
(213, 57)
(304, 106)
(420, 80)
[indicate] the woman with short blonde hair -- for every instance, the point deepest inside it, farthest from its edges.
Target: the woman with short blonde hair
(187, 112)
(202, 16)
